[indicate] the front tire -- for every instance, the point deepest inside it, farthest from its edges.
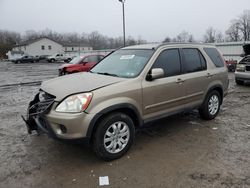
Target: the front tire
(211, 106)
(114, 136)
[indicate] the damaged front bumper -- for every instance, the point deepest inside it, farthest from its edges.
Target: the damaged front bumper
(34, 120)
(42, 117)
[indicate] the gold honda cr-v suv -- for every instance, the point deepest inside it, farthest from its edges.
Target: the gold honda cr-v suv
(128, 88)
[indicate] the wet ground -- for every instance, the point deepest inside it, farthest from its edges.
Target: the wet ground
(180, 151)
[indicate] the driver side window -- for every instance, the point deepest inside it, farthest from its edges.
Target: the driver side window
(169, 61)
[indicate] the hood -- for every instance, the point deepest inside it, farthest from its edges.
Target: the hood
(67, 85)
(65, 65)
(246, 49)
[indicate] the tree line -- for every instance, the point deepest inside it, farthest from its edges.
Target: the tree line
(8, 39)
(238, 30)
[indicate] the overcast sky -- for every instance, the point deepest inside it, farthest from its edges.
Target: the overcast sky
(152, 20)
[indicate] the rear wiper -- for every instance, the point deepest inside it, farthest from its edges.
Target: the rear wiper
(106, 73)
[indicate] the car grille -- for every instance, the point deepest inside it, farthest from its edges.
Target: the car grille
(247, 68)
(41, 107)
(43, 104)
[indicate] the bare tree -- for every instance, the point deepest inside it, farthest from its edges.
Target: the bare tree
(167, 39)
(30, 35)
(7, 40)
(233, 32)
(140, 40)
(130, 41)
(209, 36)
(244, 24)
(219, 37)
(184, 36)
(97, 41)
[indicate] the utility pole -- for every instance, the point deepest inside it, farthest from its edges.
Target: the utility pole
(123, 12)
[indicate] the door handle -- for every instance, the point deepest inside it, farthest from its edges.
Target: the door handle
(179, 81)
(209, 75)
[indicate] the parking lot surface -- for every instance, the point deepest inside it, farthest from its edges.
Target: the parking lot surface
(179, 151)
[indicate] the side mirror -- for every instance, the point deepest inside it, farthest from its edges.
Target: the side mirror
(155, 73)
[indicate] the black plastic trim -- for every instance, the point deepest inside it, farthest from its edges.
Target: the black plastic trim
(110, 109)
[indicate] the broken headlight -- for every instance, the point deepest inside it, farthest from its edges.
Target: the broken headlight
(75, 103)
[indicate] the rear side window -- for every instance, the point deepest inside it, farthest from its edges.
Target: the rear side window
(194, 61)
(169, 61)
(214, 56)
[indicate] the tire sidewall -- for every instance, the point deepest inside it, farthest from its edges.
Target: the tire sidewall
(101, 130)
(207, 102)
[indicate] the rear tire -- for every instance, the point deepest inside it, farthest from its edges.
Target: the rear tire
(239, 82)
(211, 105)
(113, 136)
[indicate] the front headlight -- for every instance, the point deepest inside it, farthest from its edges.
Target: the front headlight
(75, 103)
(241, 67)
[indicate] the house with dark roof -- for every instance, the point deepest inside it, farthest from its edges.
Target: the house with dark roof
(44, 46)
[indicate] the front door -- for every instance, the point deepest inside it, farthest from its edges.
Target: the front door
(165, 95)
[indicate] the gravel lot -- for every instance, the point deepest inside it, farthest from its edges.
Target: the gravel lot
(180, 151)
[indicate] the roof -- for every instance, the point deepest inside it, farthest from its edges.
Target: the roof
(65, 44)
(27, 42)
(158, 45)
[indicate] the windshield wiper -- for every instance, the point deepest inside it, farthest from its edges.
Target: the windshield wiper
(106, 73)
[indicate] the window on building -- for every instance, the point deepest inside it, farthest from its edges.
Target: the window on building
(194, 61)
(49, 47)
(169, 61)
(42, 47)
(72, 48)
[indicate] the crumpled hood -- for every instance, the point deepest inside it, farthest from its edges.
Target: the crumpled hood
(246, 49)
(65, 65)
(67, 85)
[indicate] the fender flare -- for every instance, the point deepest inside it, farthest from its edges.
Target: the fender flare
(214, 87)
(109, 109)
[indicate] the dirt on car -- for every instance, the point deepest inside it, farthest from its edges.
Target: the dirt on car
(179, 151)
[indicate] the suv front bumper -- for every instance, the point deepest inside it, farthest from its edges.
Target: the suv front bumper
(243, 76)
(55, 124)
(68, 125)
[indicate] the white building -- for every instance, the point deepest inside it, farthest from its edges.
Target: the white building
(231, 50)
(41, 46)
(70, 47)
(44, 46)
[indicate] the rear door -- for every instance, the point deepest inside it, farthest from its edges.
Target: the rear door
(195, 75)
(164, 95)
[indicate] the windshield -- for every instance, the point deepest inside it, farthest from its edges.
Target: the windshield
(123, 63)
(76, 60)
